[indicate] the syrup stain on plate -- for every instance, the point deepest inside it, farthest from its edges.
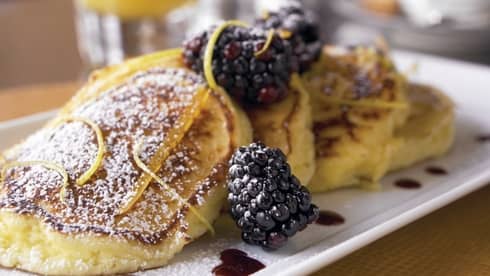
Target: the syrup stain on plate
(329, 218)
(406, 183)
(484, 138)
(237, 263)
(436, 170)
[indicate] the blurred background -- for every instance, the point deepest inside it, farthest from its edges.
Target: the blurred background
(45, 41)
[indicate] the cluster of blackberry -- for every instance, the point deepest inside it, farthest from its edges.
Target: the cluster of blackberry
(300, 28)
(267, 202)
(248, 77)
(259, 78)
(254, 65)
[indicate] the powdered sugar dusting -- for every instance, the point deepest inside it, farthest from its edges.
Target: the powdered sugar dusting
(144, 108)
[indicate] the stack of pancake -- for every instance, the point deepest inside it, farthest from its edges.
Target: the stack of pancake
(150, 109)
(353, 118)
(134, 166)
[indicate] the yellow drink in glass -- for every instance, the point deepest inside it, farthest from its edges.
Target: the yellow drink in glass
(110, 31)
(134, 9)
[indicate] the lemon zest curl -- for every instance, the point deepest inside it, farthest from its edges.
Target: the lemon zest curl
(145, 169)
(208, 53)
(50, 165)
(100, 151)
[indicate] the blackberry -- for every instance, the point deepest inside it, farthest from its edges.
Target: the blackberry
(247, 77)
(267, 202)
(302, 31)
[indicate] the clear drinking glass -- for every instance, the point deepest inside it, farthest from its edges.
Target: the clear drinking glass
(111, 30)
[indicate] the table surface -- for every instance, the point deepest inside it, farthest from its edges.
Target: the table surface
(454, 240)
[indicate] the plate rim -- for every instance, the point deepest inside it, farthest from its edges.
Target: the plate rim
(344, 248)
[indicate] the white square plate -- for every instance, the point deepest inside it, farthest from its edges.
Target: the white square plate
(369, 215)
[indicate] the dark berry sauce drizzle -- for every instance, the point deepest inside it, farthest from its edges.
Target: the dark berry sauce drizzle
(329, 218)
(484, 138)
(236, 263)
(436, 170)
(406, 183)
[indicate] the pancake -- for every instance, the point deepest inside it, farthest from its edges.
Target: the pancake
(366, 119)
(358, 101)
(121, 218)
(287, 125)
(429, 130)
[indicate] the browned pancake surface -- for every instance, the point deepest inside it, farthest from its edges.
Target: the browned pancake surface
(144, 108)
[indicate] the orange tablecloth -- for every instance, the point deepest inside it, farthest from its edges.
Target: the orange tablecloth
(454, 240)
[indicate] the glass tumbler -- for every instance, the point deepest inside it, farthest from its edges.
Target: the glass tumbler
(110, 31)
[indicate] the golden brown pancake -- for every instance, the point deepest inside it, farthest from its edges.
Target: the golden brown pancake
(187, 134)
(429, 129)
(287, 125)
(366, 119)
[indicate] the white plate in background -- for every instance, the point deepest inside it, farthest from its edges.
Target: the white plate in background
(369, 215)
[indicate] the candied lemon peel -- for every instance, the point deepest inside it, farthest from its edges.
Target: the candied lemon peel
(268, 42)
(57, 167)
(285, 34)
(208, 53)
(103, 80)
(100, 144)
(178, 133)
(50, 165)
(175, 195)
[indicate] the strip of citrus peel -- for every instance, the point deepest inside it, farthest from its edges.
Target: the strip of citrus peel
(285, 34)
(50, 165)
(100, 151)
(178, 133)
(104, 81)
(169, 53)
(298, 84)
(267, 45)
(208, 53)
(144, 168)
(369, 103)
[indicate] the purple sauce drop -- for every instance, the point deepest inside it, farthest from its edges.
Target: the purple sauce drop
(406, 183)
(236, 263)
(329, 218)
